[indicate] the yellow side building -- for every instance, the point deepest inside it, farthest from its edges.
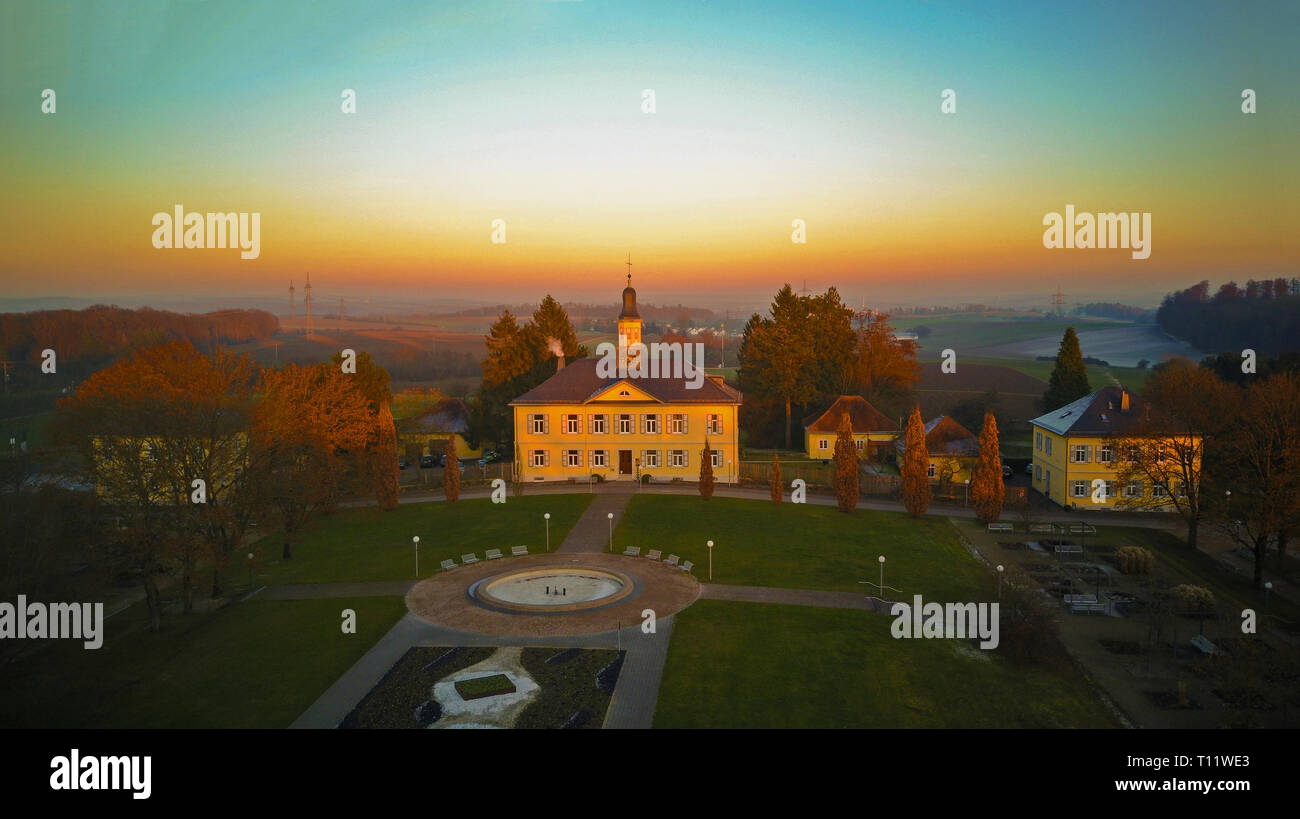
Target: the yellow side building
(1074, 448)
(579, 423)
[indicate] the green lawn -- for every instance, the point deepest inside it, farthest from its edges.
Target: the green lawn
(757, 543)
(371, 544)
(251, 665)
(755, 665)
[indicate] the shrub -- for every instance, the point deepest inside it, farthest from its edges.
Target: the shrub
(1135, 560)
(1194, 599)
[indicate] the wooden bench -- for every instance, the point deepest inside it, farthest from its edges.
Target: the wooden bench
(448, 565)
(1082, 529)
(468, 559)
(1084, 604)
(654, 554)
(493, 554)
(1204, 645)
(1070, 549)
(1001, 527)
(632, 551)
(519, 551)
(687, 566)
(1088, 608)
(672, 560)
(1042, 528)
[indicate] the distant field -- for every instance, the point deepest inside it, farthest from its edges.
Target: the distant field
(1120, 344)
(966, 334)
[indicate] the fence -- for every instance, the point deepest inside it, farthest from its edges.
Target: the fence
(870, 484)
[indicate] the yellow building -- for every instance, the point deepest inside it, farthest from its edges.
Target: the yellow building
(873, 431)
(1075, 462)
(952, 449)
(427, 433)
(579, 423)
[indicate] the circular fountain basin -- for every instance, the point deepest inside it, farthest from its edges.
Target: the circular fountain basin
(553, 589)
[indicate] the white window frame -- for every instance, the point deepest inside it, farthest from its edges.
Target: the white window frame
(572, 458)
(1080, 454)
(1079, 489)
(716, 456)
(677, 423)
(600, 424)
(1106, 454)
(932, 470)
(677, 458)
(650, 423)
(538, 423)
(538, 458)
(713, 423)
(823, 443)
(599, 458)
(650, 459)
(572, 424)
(1134, 489)
(625, 419)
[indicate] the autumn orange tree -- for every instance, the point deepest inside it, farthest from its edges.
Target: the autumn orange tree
(451, 472)
(386, 478)
(915, 467)
(1187, 409)
(846, 466)
(775, 487)
(986, 487)
(307, 420)
(883, 363)
(163, 435)
(706, 471)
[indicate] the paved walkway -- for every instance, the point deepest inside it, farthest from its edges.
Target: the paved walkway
(637, 691)
(1144, 520)
(591, 532)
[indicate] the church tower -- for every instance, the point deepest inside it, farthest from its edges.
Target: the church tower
(629, 323)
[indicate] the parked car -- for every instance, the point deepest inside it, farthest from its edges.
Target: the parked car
(1007, 472)
(428, 461)
(491, 456)
(403, 463)
(1029, 468)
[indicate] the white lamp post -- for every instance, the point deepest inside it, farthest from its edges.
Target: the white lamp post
(416, 541)
(547, 517)
(710, 544)
(610, 515)
(882, 576)
(250, 570)
(1268, 587)
(1000, 570)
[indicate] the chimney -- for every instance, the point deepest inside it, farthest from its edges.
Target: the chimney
(558, 349)
(1123, 400)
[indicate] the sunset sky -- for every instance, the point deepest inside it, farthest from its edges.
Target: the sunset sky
(530, 112)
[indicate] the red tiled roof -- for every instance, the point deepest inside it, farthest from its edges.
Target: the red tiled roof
(578, 383)
(863, 417)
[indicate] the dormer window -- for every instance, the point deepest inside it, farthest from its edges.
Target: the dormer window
(624, 394)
